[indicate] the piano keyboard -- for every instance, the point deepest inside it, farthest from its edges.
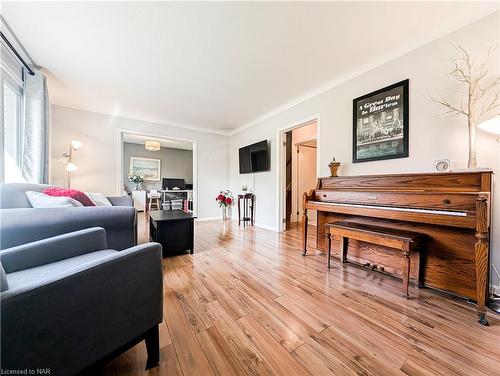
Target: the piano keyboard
(394, 208)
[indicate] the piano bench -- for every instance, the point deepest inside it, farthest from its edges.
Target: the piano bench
(405, 241)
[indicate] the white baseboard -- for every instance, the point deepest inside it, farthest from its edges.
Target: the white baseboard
(495, 290)
(260, 225)
(494, 276)
(207, 219)
(267, 227)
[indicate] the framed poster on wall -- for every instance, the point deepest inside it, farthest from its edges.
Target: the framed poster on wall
(381, 124)
(149, 167)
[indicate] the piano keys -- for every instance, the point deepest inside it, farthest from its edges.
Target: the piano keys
(451, 209)
(396, 208)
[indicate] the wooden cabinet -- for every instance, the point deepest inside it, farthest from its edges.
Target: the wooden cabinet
(173, 229)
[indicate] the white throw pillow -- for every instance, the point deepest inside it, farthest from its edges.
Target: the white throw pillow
(98, 199)
(41, 200)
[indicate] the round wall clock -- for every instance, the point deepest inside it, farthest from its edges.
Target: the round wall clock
(442, 165)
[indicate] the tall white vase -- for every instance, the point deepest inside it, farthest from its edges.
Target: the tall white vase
(224, 212)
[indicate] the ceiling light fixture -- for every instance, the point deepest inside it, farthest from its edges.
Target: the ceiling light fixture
(152, 145)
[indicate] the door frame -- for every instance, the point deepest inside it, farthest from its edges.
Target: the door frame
(120, 175)
(288, 182)
(280, 157)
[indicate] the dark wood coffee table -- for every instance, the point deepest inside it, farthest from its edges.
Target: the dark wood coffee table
(173, 229)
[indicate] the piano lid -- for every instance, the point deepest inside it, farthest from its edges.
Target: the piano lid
(463, 181)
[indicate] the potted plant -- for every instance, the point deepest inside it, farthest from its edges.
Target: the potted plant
(137, 180)
(224, 199)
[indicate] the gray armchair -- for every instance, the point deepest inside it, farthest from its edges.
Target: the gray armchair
(69, 302)
(20, 223)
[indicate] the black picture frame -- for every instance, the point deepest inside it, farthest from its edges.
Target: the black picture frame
(379, 112)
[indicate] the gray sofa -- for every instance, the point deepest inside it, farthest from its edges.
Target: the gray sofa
(20, 223)
(69, 302)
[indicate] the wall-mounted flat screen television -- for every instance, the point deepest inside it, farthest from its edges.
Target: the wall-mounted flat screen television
(254, 158)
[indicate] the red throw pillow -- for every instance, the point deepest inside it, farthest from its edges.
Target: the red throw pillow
(73, 193)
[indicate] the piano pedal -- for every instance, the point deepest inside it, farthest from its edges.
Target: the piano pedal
(471, 302)
(482, 316)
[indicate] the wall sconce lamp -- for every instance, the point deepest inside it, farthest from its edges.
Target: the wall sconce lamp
(67, 158)
(492, 125)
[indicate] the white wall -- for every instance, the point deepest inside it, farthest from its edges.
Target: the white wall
(431, 137)
(175, 163)
(98, 159)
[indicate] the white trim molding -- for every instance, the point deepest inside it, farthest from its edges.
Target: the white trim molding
(280, 158)
(119, 158)
(146, 119)
(11, 37)
(205, 219)
(329, 85)
(266, 227)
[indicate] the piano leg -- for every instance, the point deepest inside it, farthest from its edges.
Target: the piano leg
(304, 232)
(481, 251)
(406, 273)
(329, 249)
(343, 249)
(481, 256)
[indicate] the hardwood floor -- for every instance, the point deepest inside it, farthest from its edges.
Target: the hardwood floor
(248, 303)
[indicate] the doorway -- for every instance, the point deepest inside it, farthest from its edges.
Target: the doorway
(168, 160)
(298, 170)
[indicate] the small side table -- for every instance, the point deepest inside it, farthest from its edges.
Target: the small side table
(248, 208)
(173, 229)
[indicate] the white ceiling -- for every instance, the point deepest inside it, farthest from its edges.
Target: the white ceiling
(220, 65)
(164, 142)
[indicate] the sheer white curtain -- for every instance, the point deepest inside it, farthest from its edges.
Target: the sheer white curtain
(35, 156)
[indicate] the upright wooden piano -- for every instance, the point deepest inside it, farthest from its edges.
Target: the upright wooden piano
(452, 210)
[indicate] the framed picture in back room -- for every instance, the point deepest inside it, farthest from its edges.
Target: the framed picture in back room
(149, 167)
(381, 124)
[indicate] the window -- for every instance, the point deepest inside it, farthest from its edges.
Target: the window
(11, 90)
(12, 133)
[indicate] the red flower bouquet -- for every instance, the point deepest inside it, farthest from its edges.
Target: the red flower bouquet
(224, 198)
